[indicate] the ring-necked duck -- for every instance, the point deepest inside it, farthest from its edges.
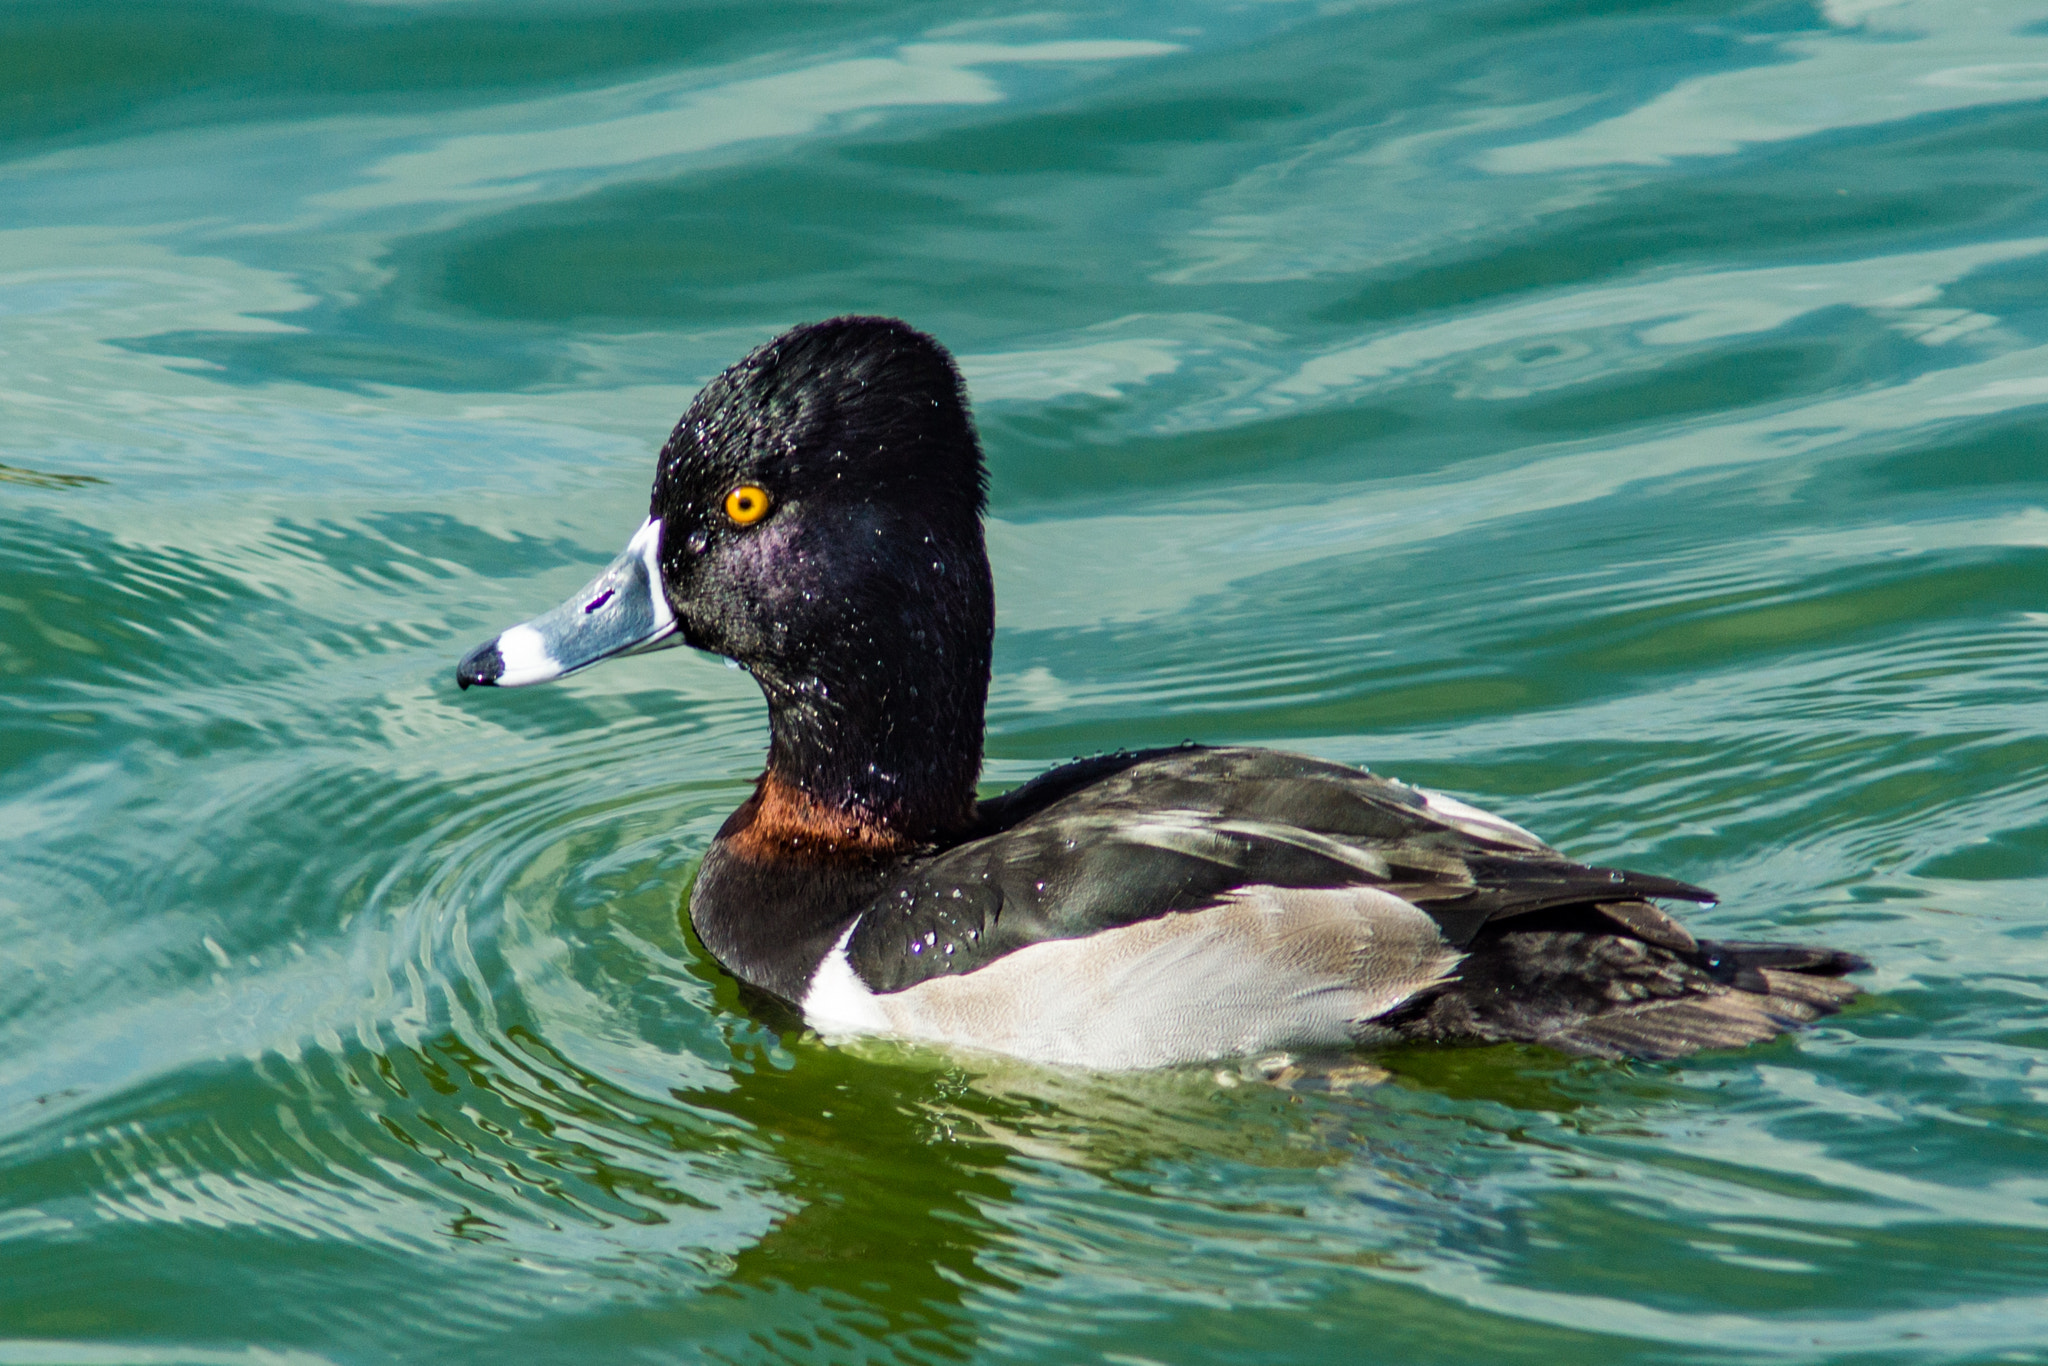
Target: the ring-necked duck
(817, 517)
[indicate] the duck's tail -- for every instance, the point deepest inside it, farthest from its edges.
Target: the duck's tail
(1769, 988)
(1569, 981)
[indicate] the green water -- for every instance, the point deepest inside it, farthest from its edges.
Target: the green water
(1629, 417)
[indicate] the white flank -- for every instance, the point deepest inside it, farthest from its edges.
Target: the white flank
(838, 1002)
(1267, 967)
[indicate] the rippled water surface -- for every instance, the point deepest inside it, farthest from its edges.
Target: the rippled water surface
(1628, 416)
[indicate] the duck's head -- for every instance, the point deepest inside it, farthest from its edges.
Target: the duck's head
(817, 518)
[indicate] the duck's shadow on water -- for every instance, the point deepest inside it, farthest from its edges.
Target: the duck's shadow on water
(805, 1198)
(913, 1178)
(798, 1195)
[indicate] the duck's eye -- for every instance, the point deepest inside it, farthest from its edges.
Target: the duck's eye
(747, 504)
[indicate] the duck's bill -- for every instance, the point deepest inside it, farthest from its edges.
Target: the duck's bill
(621, 611)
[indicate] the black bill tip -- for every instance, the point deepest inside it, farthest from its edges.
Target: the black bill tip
(483, 666)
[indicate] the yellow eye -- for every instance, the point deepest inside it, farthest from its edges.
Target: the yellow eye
(747, 504)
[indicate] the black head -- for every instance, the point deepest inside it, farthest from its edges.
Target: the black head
(816, 517)
(855, 435)
(820, 508)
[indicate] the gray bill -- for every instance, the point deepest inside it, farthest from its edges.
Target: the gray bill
(621, 611)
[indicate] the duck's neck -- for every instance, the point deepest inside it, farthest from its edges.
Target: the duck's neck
(891, 744)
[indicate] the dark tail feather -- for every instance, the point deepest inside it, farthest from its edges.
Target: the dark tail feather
(1808, 958)
(1762, 990)
(1568, 979)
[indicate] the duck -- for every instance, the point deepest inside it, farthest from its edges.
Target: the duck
(817, 519)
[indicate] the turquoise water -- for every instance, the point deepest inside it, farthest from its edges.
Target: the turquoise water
(1629, 417)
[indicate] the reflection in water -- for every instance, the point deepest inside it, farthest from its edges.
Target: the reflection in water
(45, 480)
